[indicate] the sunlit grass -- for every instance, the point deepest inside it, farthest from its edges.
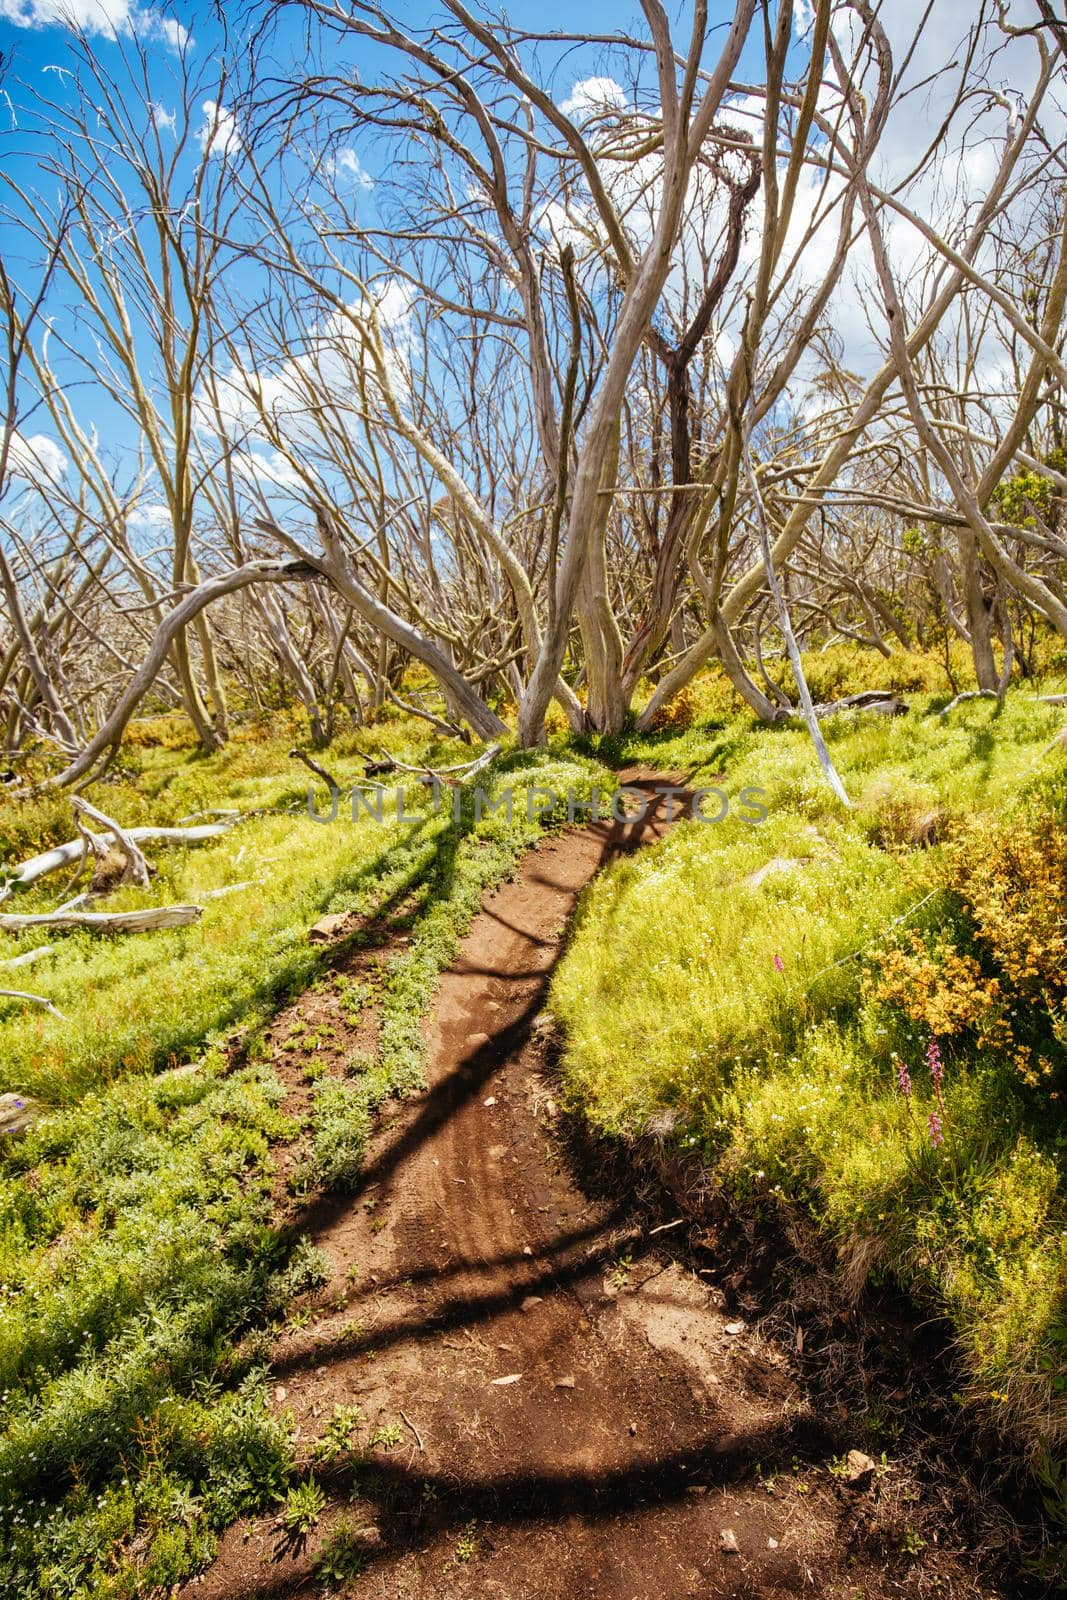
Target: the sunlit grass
(141, 1257)
(706, 1002)
(137, 1002)
(729, 1011)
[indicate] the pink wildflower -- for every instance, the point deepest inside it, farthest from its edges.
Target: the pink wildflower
(937, 1072)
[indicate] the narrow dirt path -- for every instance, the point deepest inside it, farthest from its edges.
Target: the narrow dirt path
(548, 1404)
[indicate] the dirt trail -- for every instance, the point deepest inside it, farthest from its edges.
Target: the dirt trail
(566, 1410)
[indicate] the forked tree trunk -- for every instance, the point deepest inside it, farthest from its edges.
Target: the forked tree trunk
(978, 611)
(192, 700)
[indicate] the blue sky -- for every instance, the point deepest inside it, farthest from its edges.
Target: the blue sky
(36, 45)
(35, 42)
(33, 36)
(40, 51)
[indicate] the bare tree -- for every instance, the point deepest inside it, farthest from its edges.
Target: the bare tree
(562, 413)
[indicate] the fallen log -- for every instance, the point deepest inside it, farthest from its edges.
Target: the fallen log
(65, 855)
(134, 868)
(880, 700)
(151, 918)
(32, 999)
(29, 956)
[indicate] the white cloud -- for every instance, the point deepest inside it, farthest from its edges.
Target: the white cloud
(38, 459)
(219, 135)
(592, 95)
(394, 304)
(268, 470)
(804, 17)
(108, 17)
(163, 118)
(348, 162)
(725, 347)
(168, 28)
(151, 516)
(313, 395)
(574, 224)
(91, 16)
(744, 111)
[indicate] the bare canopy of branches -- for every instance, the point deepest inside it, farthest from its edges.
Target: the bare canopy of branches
(476, 369)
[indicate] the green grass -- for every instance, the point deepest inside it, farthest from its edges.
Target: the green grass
(141, 1261)
(140, 1254)
(147, 1001)
(707, 989)
(782, 1073)
(134, 1421)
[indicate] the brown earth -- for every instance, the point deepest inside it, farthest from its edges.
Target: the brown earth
(551, 1406)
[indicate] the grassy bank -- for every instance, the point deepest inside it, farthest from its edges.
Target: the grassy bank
(148, 1002)
(141, 1260)
(760, 994)
(861, 1013)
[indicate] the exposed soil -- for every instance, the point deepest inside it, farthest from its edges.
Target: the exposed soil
(564, 1408)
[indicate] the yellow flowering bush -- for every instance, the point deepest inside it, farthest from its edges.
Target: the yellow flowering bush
(1010, 877)
(941, 988)
(679, 712)
(1013, 878)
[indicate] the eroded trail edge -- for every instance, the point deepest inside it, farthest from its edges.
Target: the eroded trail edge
(534, 1399)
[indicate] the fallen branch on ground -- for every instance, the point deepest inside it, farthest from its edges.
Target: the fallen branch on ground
(145, 921)
(313, 766)
(969, 694)
(33, 999)
(467, 769)
(375, 766)
(854, 955)
(135, 869)
(415, 1431)
(446, 775)
(65, 855)
(28, 956)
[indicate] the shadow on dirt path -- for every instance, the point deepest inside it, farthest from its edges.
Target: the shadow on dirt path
(549, 1406)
